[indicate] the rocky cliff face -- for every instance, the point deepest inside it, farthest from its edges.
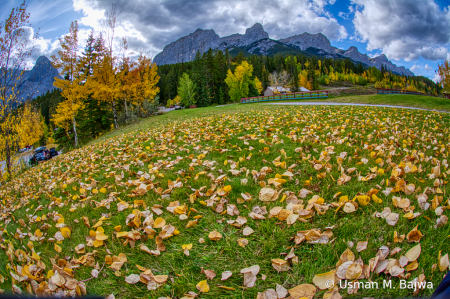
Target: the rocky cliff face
(256, 41)
(252, 34)
(38, 80)
(306, 40)
(185, 48)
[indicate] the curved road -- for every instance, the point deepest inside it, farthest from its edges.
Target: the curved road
(350, 104)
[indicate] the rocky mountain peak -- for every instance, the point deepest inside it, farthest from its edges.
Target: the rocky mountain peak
(256, 41)
(352, 49)
(382, 57)
(307, 40)
(256, 32)
(43, 60)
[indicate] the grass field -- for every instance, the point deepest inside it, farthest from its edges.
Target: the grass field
(297, 190)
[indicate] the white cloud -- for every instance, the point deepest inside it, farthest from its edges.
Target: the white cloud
(153, 24)
(403, 29)
(436, 78)
(427, 67)
(415, 67)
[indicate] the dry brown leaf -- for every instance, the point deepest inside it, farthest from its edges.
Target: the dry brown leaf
(280, 265)
(247, 231)
(414, 236)
(396, 271)
(443, 262)
(342, 269)
(242, 242)
(303, 291)
(392, 218)
(250, 275)
(362, 245)
(323, 281)
(210, 274)
(132, 279)
(354, 271)
(281, 291)
(215, 235)
(414, 253)
(226, 275)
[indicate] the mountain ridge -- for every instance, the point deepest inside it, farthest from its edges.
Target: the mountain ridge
(38, 80)
(185, 48)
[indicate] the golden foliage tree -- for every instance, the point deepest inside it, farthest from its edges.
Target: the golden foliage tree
(30, 129)
(444, 73)
(146, 89)
(105, 84)
(16, 47)
(239, 82)
(73, 90)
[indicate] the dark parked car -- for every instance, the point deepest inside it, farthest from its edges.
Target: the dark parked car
(41, 153)
(53, 152)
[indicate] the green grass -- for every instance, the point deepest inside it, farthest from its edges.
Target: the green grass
(423, 102)
(415, 101)
(155, 140)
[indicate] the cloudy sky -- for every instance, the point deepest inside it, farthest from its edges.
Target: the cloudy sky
(412, 33)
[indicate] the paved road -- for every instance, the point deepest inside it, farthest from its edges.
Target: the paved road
(23, 158)
(349, 104)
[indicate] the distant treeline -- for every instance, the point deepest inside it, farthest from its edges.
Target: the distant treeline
(209, 70)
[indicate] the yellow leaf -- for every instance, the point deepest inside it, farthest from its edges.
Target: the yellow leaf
(103, 190)
(363, 199)
(50, 273)
(186, 246)
(99, 223)
(203, 286)
(121, 234)
(65, 231)
(376, 199)
(98, 243)
(227, 188)
(58, 248)
(159, 222)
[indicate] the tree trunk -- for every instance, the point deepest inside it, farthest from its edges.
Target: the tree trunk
(75, 131)
(126, 110)
(8, 156)
(116, 124)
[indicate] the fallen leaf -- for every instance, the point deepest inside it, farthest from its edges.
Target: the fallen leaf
(202, 286)
(362, 245)
(215, 235)
(250, 275)
(280, 265)
(325, 280)
(303, 291)
(414, 236)
(226, 275)
(414, 253)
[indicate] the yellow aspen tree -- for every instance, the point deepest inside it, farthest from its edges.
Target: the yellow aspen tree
(146, 89)
(15, 49)
(105, 83)
(73, 91)
(128, 79)
(258, 85)
(303, 78)
(238, 83)
(110, 83)
(444, 74)
(30, 129)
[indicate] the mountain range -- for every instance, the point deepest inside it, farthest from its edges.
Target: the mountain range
(257, 41)
(36, 81)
